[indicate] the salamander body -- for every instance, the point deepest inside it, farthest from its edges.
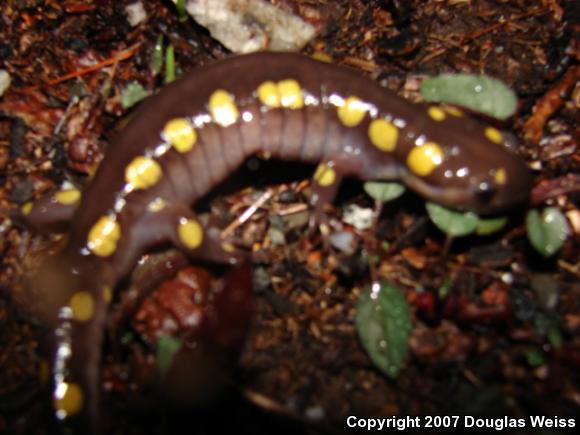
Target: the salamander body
(185, 140)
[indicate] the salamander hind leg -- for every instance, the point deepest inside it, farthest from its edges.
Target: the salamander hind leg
(50, 210)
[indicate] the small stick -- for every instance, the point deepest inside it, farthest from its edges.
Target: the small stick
(120, 56)
(246, 215)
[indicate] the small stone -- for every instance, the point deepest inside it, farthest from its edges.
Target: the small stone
(136, 13)
(245, 26)
(344, 241)
(4, 81)
(359, 217)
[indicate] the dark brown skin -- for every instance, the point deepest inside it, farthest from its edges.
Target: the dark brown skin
(466, 177)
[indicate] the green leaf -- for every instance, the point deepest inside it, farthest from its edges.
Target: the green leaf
(157, 58)
(132, 94)
(170, 64)
(444, 289)
(547, 231)
(555, 338)
(383, 322)
(181, 11)
(384, 191)
(166, 349)
(535, 357)
(491, 225)
(451, 222)
(477, 92)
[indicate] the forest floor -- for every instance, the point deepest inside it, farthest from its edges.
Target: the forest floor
(496, 326)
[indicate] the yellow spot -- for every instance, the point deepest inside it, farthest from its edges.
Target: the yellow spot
(223, 108)
(286, 93)
(290, 94)
(67, 196)
(423, 159)
(454, 111)
(142, 172)
(324, 175)
(321, 57)
(352, 112)
(494, 135)
(103, 236)
(436, 113)
(383, 134)
(228, 247)
(107, 294)
(500, 176)
(268, 94)
(82, 306)
(180, 134)
(190, 233)
(27, 208)
(68, 399)
(156, 205)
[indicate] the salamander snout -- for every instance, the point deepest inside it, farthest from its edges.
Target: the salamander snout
(484, 190)
(496, 188)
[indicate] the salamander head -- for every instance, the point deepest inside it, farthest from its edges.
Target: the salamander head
(483, 186)
(467, 168)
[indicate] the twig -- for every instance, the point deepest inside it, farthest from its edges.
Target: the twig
(119, 57)
(484, 31)
(246, 215)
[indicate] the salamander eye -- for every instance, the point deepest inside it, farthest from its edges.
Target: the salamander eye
(484, 191)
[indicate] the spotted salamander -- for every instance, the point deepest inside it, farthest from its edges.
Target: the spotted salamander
(185, 140)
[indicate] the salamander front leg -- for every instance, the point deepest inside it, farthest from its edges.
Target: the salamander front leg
(179, 225)
(203, 243)
(325, 183)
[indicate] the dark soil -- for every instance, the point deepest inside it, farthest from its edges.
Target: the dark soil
(496, 327)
